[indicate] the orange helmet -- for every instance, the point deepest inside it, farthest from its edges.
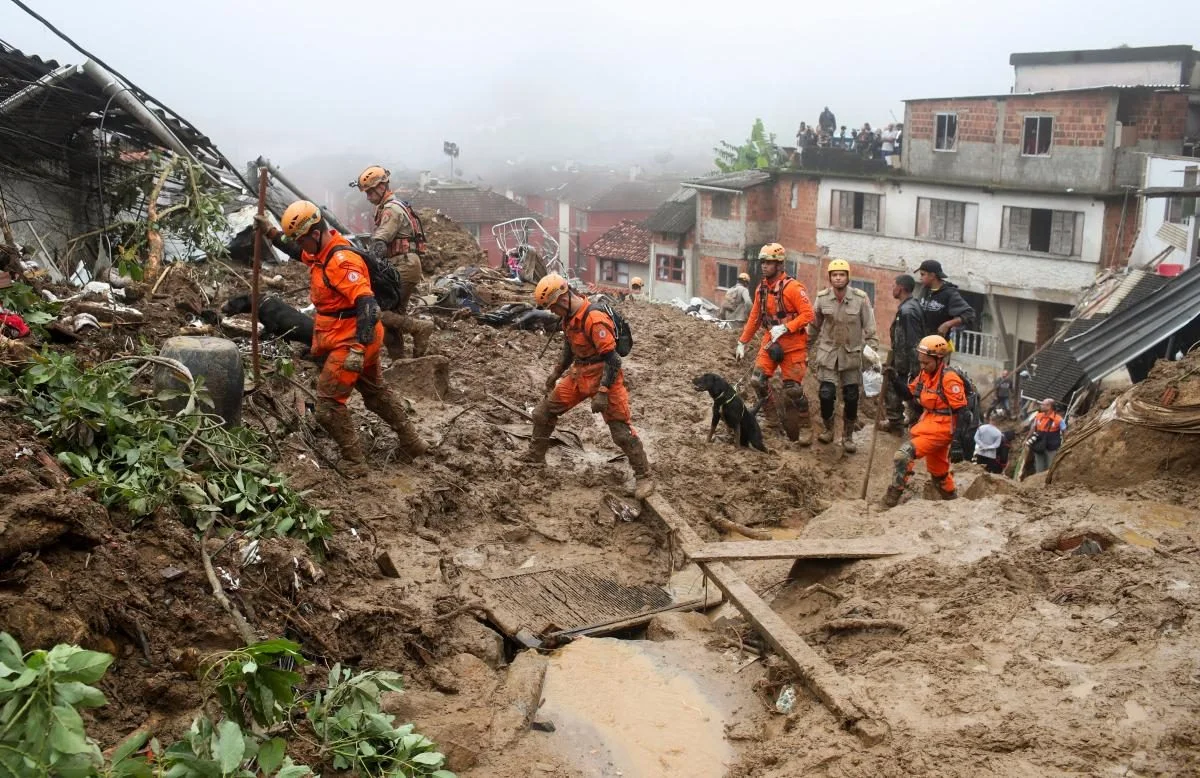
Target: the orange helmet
(772, 252)
(636, 282)
(372, 176)
(300, 217)
(934, 346)
(549, 289)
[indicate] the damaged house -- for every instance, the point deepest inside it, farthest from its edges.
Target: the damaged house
(74, 139)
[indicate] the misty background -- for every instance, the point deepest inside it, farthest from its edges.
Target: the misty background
(324, 88)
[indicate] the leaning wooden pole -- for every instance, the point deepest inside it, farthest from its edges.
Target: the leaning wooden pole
(258, 239)
(874, 439)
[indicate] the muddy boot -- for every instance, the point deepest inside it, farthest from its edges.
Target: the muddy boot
(848, 443)
(631, 445)
(892, 498)
(336, 420)
(826, 435)
(388, 408)
(539, 444)
(804, 437)
(943, 492)
(393, 334)
(422, 331)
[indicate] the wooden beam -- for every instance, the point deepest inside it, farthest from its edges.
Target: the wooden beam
(834, 692)
(832, 548)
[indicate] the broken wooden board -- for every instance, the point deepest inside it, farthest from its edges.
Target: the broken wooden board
(822, 548)
(834, 691)
(562, 603)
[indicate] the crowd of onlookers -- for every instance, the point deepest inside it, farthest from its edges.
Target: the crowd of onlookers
(883, 143)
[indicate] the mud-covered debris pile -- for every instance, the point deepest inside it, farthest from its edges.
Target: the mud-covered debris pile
(449, 245)
(1116, 447)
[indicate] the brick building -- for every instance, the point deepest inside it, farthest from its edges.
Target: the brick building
(673, 248)
(476, 210)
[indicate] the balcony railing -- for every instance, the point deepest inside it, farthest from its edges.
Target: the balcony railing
(977, 344)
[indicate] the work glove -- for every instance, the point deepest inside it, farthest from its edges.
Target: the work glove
(263, 222)
(353, 362)
(551, 382)
(600, 402)
(740, 352)
(778, 331)
(366, 314)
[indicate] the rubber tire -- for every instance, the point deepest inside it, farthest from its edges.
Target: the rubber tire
(218, 361)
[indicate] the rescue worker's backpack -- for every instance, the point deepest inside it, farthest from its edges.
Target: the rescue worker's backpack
(966, 420)
(623, 332)
(385, 278)
(418, 240)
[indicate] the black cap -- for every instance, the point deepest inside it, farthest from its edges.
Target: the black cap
(932, 266)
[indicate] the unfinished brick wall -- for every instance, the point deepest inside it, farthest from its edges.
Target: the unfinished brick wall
(706, 285)
(975, 119)
(1080, 118)
(1158, 116)
(797, 226)
(1128, 232)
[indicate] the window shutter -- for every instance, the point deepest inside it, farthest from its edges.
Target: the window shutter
(954, 221)
(923, 216)
(1062, 233)
(870, 222)
(937, 220)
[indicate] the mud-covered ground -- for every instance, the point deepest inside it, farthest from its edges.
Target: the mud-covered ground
(1017, 658)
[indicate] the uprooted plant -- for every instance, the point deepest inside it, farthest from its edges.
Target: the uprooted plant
(251, 681)
(118, 440)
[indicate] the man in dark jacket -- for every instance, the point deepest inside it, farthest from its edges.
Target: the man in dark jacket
(941, 303)
(906, 332)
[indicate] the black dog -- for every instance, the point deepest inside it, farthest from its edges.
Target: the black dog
(728, 405)
(279, 319)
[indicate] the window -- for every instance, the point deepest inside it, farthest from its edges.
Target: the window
(581, 224)
(945, 132)
(791, 267)
(614, 272)
(670, 268)
(946, 220)
(855, 211)
(1043, 230)
(795, 195)
(722, 206)
(474, 230)
(866, 286)
(1180, 209)
(550, 209)
(1038, 132)
(727, 276)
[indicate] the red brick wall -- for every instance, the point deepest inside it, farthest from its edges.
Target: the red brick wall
(735, 208)
(1128, 234)
(760, 204)
(797, 226)
(976, 120)
(883, 304)
(1080, 119)
(706, 285)
(1159, 116)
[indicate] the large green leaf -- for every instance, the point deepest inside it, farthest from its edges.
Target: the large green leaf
(130, 745)
(10, 652)
(86, 666)
(79, 694)
(270, 755)
(230, 746)
(429, 759)
(66, 731)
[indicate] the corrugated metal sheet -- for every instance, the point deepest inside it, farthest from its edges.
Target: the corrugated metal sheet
(1056, 373)
(1138, 327)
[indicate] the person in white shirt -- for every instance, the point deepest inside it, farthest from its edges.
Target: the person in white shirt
(889, 145)
(988, 439)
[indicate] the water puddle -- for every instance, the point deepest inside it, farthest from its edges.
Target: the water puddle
(625, 708)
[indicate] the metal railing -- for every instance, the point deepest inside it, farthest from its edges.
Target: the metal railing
(977, 344)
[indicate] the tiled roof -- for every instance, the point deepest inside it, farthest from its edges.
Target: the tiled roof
(632, 196)
(740, 180)
(468, 205)
(677, 216)
(628, 241)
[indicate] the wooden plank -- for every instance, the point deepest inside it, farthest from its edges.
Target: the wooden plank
(824, 548)
(818, 675)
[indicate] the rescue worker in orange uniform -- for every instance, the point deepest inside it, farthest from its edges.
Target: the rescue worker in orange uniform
(781, 307)
(395, 240)
(589, 367)
(346, 332)
(941, 394)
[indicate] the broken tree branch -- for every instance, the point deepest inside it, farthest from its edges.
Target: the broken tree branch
(722, 523)
(153, 236)
(239, 621)
(847, 625)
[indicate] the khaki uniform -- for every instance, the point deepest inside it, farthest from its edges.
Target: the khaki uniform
(841, 328)
(736, 305)
(394, 229)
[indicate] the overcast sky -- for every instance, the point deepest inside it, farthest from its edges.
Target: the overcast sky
(614, 81)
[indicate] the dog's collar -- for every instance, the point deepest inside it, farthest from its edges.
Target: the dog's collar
(732, 396)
